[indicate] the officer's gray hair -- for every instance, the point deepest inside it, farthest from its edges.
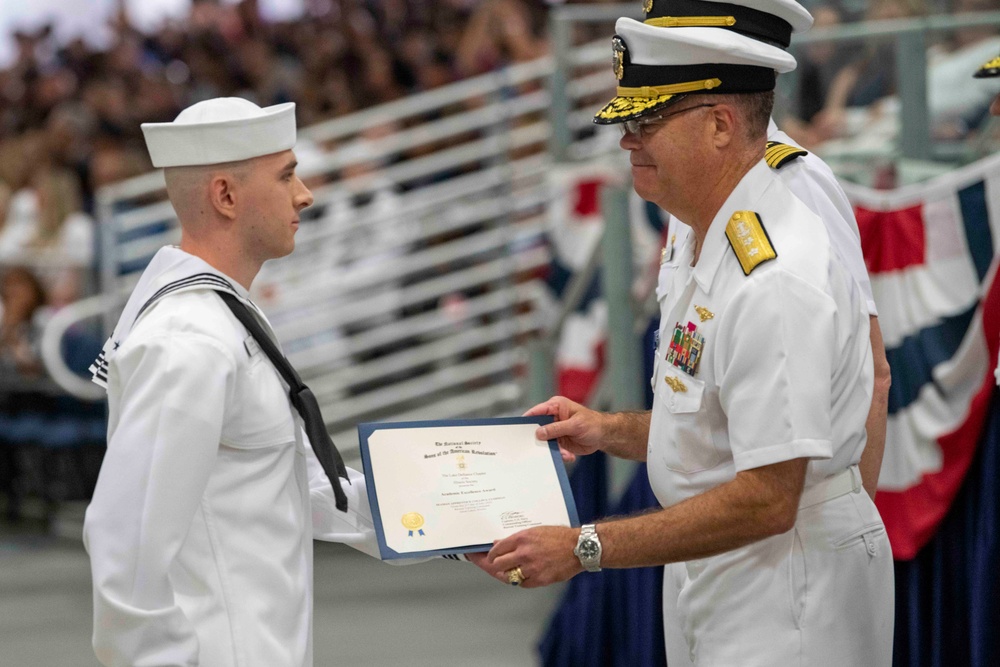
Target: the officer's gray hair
(754, 110)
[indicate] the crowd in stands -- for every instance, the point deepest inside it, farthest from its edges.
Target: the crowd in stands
(70, 115)
(846, 87)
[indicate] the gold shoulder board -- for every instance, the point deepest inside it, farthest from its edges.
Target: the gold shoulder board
(749, 240)
(777, 155)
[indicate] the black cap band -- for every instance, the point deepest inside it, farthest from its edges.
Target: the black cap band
(733, 78)
(750, 22)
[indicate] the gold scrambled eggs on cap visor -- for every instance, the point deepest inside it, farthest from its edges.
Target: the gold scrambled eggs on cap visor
(990, 69)
(622, 108)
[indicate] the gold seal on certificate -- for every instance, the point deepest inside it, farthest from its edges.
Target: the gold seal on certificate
(474, 481)
(413, 521)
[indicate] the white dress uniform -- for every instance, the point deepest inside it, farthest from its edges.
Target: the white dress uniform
(812, 181)
(770, 365)
(200, 530)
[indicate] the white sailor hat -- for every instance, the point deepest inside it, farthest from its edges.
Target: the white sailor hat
(772, 21)
(224, 129)
(656, 67)
(989, 69)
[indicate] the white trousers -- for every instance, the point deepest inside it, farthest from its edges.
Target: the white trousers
(820, 595)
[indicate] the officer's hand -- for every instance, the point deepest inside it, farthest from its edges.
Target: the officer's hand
(544, 554)
(578, 430)
(481, 561)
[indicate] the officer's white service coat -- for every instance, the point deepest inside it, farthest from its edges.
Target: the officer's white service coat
(812, 181)
(200, 530)
(769, 367)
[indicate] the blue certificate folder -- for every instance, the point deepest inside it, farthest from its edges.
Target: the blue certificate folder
(366, 430)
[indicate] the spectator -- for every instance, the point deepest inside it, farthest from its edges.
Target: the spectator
(958, 106)
(45, 227)
(500, 32)
(819, 65)
(21, 297)
(868, 79)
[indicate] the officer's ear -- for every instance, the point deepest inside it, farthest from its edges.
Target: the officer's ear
(726, 122)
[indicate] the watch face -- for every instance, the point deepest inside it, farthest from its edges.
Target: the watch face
(589, 549)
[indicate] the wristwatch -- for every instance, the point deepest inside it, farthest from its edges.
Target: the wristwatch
(588, 548)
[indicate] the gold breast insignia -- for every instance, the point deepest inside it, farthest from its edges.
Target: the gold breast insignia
(675, 384)
(704, 313)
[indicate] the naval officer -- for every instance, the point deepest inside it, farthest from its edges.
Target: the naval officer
(763, 382)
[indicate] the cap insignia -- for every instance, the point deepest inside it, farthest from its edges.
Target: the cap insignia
(618, 56)
(647, 6)
(749, 240)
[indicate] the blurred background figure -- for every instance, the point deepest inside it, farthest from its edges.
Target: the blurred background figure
(819, 66)
(22, 299)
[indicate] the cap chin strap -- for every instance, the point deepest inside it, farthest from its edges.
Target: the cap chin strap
(671, 89)
(692, 22)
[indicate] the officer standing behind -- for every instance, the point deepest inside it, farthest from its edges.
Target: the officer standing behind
(200, 530)
(989, 70)
(763, 382)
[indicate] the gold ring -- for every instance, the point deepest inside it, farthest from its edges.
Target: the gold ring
(515, 576)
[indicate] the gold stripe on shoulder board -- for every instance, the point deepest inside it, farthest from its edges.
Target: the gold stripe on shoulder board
(777, 154)
(749, 240)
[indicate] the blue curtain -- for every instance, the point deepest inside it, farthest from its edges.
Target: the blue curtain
(575, 636)
(611, 618)
(948, 597)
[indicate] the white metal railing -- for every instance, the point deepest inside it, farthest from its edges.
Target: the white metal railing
(414, 286)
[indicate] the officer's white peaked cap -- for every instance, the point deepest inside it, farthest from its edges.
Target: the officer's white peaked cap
(773, 21)
(655, 67)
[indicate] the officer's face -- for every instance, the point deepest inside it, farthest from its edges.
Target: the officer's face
(665, 155)
(273, 196)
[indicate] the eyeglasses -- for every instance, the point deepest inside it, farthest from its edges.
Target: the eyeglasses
(636, 126)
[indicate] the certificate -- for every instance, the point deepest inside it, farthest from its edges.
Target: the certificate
(446, 487)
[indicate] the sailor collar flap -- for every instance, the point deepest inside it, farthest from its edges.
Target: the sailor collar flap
(171, 271)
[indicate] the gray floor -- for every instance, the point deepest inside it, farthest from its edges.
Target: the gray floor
(435, 614)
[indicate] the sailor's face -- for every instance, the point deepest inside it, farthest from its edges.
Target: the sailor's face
(274, 196)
